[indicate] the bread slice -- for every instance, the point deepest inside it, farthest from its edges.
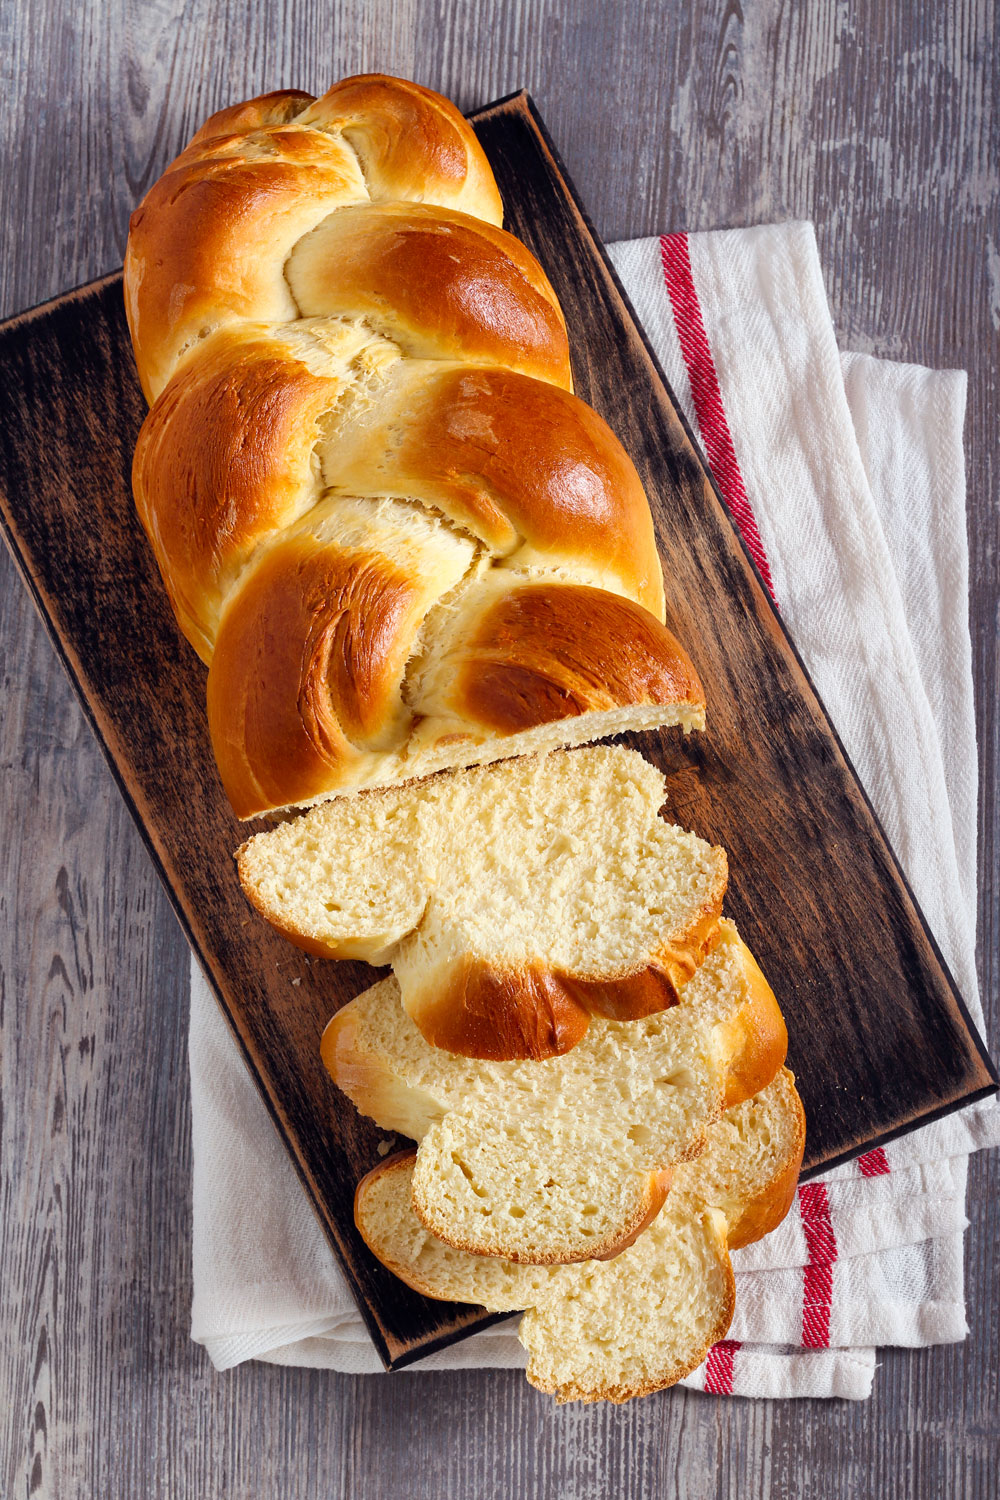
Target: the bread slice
(513, 901)
(566, 1159)
(611, 1330)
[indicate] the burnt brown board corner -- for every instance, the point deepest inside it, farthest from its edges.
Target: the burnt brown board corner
(880, 1040)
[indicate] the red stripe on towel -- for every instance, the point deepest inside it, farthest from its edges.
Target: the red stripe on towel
(707, 395)
(817, 1276)
(719, 1367)
(874, 1163)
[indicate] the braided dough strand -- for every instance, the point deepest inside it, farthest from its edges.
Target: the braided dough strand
(384, 521)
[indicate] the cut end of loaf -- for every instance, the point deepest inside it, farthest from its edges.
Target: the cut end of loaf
(258, 783)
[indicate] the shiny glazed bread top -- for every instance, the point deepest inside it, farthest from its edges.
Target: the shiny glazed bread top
(383, 519)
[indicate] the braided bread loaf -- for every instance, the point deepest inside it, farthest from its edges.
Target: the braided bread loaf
(383, 519)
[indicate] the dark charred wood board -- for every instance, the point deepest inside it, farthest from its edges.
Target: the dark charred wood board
(880, 1039)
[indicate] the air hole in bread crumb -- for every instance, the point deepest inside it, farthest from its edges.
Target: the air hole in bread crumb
(467, 1174)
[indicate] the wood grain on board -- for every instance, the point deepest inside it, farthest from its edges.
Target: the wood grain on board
(879, 1037)
(877, 122)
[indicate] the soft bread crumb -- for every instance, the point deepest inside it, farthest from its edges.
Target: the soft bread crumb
(550, 1161)
(557, 863)
(620, 1328)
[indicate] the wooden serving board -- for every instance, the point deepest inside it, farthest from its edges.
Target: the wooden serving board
(880, 1039)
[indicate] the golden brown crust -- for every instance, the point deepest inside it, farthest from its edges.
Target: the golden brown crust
(207, 245)
(373, 1091)
(756, 1038)
(517, 461)
(764, 1211)
(208, 242)
(510, 1011)
(660, 983)
(413, 142)
(532, 1011)
(549, 651)
(342, 1057)
(224, 460)
(306, 668)
(442, 285)
(245, 118)
(498, 1011)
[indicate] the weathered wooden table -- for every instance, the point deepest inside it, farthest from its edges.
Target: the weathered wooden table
(879, 122)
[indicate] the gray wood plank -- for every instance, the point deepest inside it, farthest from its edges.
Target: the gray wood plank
(879, 122)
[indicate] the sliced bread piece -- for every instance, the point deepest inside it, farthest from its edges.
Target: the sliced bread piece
(513, 901)
(566, 1159)
(610, 1330)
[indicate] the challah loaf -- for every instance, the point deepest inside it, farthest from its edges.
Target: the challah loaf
(566, 1159)
(513, 901)
(611, 1330)
(382, 518)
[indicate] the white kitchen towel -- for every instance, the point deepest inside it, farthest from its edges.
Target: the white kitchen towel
(846, 476)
